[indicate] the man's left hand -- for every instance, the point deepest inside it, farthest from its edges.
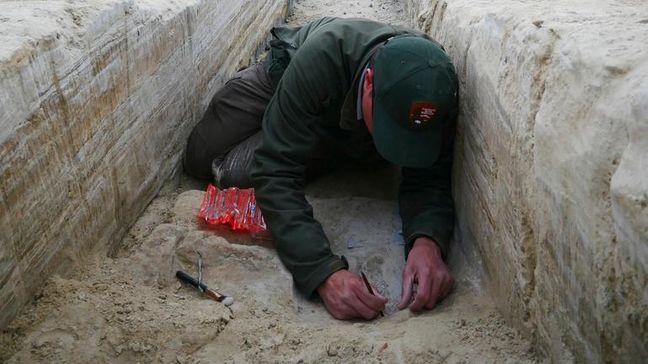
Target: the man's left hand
(426, 268)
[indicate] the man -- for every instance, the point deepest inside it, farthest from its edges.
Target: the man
(351, 87)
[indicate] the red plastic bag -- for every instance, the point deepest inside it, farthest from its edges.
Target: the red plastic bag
(232, 206)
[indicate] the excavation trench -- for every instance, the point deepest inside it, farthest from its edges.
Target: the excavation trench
(96, 283)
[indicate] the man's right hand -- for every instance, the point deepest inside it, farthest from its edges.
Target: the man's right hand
(346, 297)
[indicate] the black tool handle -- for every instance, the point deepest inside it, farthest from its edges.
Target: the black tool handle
(184, 277)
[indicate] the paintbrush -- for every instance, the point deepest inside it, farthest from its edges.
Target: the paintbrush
(209, 292)
(366, 282)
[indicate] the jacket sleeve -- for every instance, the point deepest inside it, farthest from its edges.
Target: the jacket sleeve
(425, 201)
(292, 128)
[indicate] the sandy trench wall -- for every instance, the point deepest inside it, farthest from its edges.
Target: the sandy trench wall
(97, 99)
(551, 172)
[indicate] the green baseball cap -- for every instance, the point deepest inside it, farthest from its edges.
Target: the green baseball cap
(414, 100)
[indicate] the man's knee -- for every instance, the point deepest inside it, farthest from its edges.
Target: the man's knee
(235, 113)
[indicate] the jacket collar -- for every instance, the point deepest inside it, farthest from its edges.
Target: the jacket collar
(348, 113)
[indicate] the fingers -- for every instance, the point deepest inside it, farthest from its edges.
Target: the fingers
(441, 287)
(340, 310)
(347, 308)
(374, 302)
(448, 288)
(346, 297)
(432, 288)
(358, 308)
(406, 291)
(422, 294)
(357, 302)
(434, 294)
(383, 298)
(365, 311)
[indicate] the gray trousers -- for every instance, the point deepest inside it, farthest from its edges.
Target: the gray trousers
(234, 115)
(222, 144)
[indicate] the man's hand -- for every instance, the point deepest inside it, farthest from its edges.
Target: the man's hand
(426, 268)
(346, 297)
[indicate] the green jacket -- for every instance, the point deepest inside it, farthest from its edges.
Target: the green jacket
(316, 70)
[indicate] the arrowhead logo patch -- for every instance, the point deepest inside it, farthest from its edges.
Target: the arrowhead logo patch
(421, 114)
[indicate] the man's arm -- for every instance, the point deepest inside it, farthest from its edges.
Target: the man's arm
(308, 97)
(425, 202)
(427, 211)
(290, 132)
(293, 126)
(278, 176)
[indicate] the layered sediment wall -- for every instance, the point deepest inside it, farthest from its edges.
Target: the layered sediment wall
(551, 176)
(551, 172)
(96, 101)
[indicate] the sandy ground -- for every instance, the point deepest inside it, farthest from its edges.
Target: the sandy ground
(389, 11)
(129, 308)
